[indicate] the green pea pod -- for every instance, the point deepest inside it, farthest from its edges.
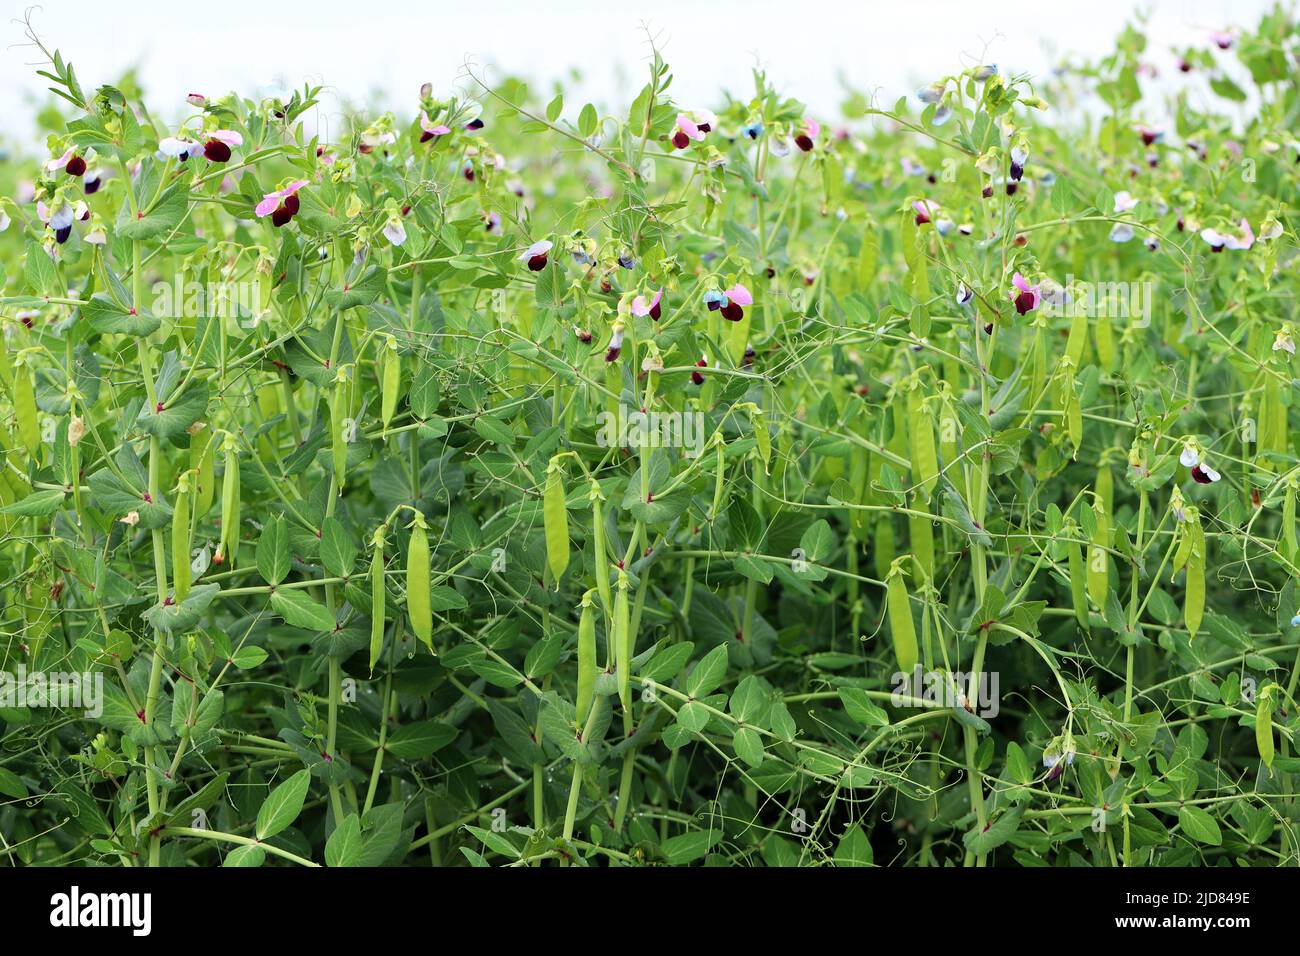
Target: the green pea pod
(377, 595)
(925, 461)
(622, 641)
(1078, 339)
(555, 521)
(858, 462)
(203, 455)
(417, 584)
(1287, 543)
(1194, 598)
(762, 437)
(391, 383)
(25, 412)
(181, 539)
(229, 544)
(921, 531)
(1264, 725)
(586, 659)
(1104, 337)
(339, 428)
(1099, 559)
(599, 546)
(1078, 583)
(883, 545)
(1105, 487)
(901, 628)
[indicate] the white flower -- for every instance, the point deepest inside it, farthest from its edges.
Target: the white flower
(1190, 456)
(76, 429)
(1283, 342)
(1124, 201)
(1122, 232)
(395, 231)
(131, 520)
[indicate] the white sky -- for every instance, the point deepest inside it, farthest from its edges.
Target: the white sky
(372, 48)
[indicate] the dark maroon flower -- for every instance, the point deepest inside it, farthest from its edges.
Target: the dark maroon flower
(681, 140)
(698, 377)
(987, 192)
(76, 166)
(474, 125)
(90, 185)
(215, 151)
(748, 359)
(61, 235)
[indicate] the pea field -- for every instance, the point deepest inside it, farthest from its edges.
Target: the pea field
(511, 480)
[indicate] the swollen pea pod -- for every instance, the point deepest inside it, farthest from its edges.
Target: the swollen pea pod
(901, 627)
(598, 546)
(1264, 724)
(1287, 543)
(391, 381)
(586, 659)
(925, 461)
(418, 607)
(1072, 409)
(229, 543)
(203, 456)
(921, 531)
(1194, 598)
(1078, 339)
(340, 426)
(377, 595)
(1104, 487)
(1099, 558)
(859, 461)
(1104, 335)
(1078, 582)
(181, 538)
(622, 642)
(555, 520)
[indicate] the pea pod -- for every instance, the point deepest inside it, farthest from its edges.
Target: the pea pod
(181, 575)
(1194, 598)
(622, 642)
(598, 546)
(925, 461)
(555, 521)
(1104, 336)
(1099, 558)
(1287, 543)
(203, 456)
(1078, 583)
(1078, 339)
(377, 596)
(229, 544)
(391, 381)
(586, 659)
(921, 532)
(1264, 725)
(417, 583)
(762, 437)
(339, 428)
(901, 628)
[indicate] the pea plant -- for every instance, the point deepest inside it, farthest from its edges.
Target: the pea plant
(501, 481)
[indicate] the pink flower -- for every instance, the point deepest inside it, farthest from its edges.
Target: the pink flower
(685, 131)
(281, 205)
(1029, 296)
(430, 129)
(641, 307)
(1240, 240)
(924, 207)
(1222, 39)
(808, 132)
(615, 344)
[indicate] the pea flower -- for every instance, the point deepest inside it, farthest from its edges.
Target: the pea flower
(220, 141)
(535, 256)
(429, 129)
(729, 301)
(1121, 232)
(807, 134)
(964, 293)
(491, 221)
(1124, 202)
(394, 230)
(1191, 457)
(1150, 136)
(752, 130)
(615, 343)
(281, 204)
(474, 125)
(178, 147)
(641, 307)
(698, 377)
(1028, 297)
(924, 208)
(71, 163)
(196, 99)
(1019, 156)
(93, 180)
(1283, 341)
(1241, 239)
(1222, 39)
(685, 131)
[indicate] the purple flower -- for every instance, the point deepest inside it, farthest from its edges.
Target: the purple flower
(1029, 296)
(535, 255)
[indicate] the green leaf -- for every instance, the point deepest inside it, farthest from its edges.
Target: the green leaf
(689, 847)
(343, 848)
(1199, 825)
(854, 848)
(708, 673)
(298, 610)
(416, 741)
(861, 708)
(244, 856)
(283, 805)
(175, 415)
(107, 317)
(273, 551)
(39, 504)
